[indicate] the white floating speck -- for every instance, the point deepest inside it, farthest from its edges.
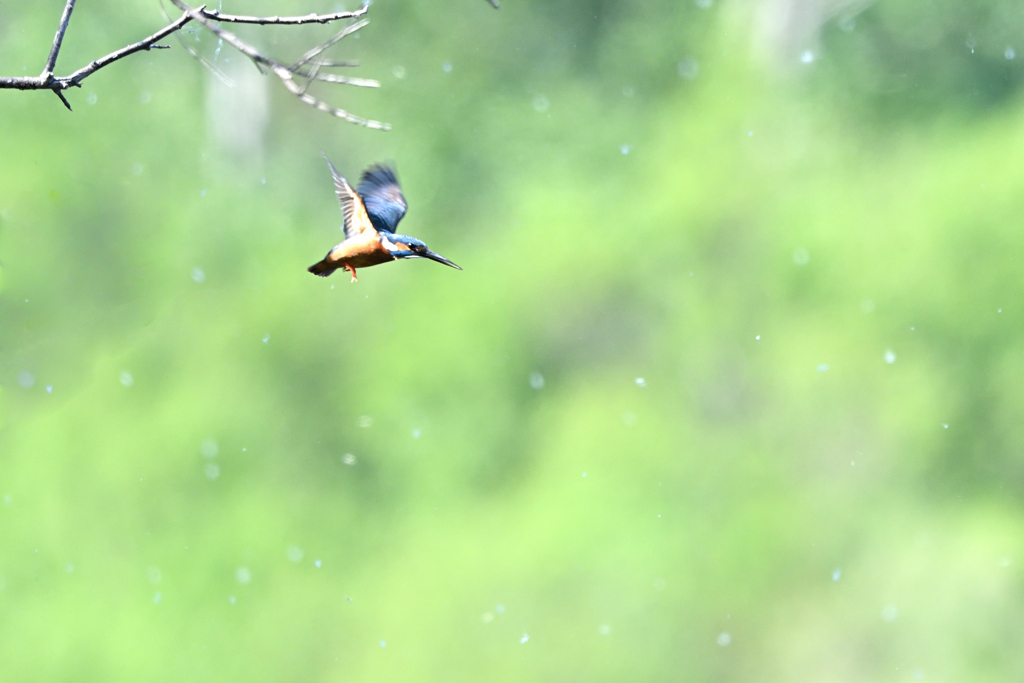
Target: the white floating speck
(724, 638)
(266, 338)
(604, 629)
(209, 448)
(807, 57)
(889, 613)
(447, 67)
(137, 169)
(486, 618)
(703, 4)
(524, 638)
(945, 425)
(202, 192)
(398, 71)
(499, 608)
(198, 275)
(365, 421)
(383, 644)
(867, 306)
(537, 380)
(640, 382)
(243, 575)
(91, 99)
(1009, 52)
(69, 568)
(540, 103)
(156, 598)
(823, 367)
(629, 419)
(416, 433)
(625, 149)
(154, 575)
(317, 563)
(295, 553)
(627, 91)
(212, 471)
(126, 378)
(49, 388)
(231, 599)
(890, 357)
(348, 459)
(836, 574)
(801, 256)
(26, 379)
(688, 68)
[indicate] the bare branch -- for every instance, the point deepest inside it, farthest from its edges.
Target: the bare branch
(307, 19)
(149, 43)
(328, 78)
(206, 18)
(327, 63)
(280, 70)
(51, 61)
(495, 4)
(351, 28)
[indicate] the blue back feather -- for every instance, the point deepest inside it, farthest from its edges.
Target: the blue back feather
(382, 197)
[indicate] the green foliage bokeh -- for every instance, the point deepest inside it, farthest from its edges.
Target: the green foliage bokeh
(729, 389)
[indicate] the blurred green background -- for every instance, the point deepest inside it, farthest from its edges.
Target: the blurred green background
(730, 388)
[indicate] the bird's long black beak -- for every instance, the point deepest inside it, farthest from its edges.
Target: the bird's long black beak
(440, 259)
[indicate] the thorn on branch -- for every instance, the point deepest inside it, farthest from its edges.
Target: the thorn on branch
(63, 99)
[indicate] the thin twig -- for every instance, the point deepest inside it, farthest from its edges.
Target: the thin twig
(308, 19)
(51, 61)
(149, 43)
(220, 75)
(280, 70)
(312, 75)
(348, 30)
(495, 4)
(327, 63)
(329, 78)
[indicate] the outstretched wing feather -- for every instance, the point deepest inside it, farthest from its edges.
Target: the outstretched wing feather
(356, 220)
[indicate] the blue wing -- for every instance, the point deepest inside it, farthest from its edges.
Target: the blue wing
(382, 197)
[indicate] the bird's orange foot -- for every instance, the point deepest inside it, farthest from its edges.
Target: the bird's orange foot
(353, 271)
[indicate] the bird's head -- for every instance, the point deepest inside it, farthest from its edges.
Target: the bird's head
(403, 247)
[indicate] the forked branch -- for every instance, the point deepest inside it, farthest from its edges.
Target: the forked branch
(210, 20)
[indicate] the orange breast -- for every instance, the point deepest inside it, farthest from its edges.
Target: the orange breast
(360, 251)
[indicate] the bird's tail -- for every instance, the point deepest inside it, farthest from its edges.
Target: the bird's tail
(323, 268)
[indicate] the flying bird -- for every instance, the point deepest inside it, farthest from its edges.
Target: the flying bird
(371, 215)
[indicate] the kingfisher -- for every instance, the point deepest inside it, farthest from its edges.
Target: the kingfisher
(371, 215)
